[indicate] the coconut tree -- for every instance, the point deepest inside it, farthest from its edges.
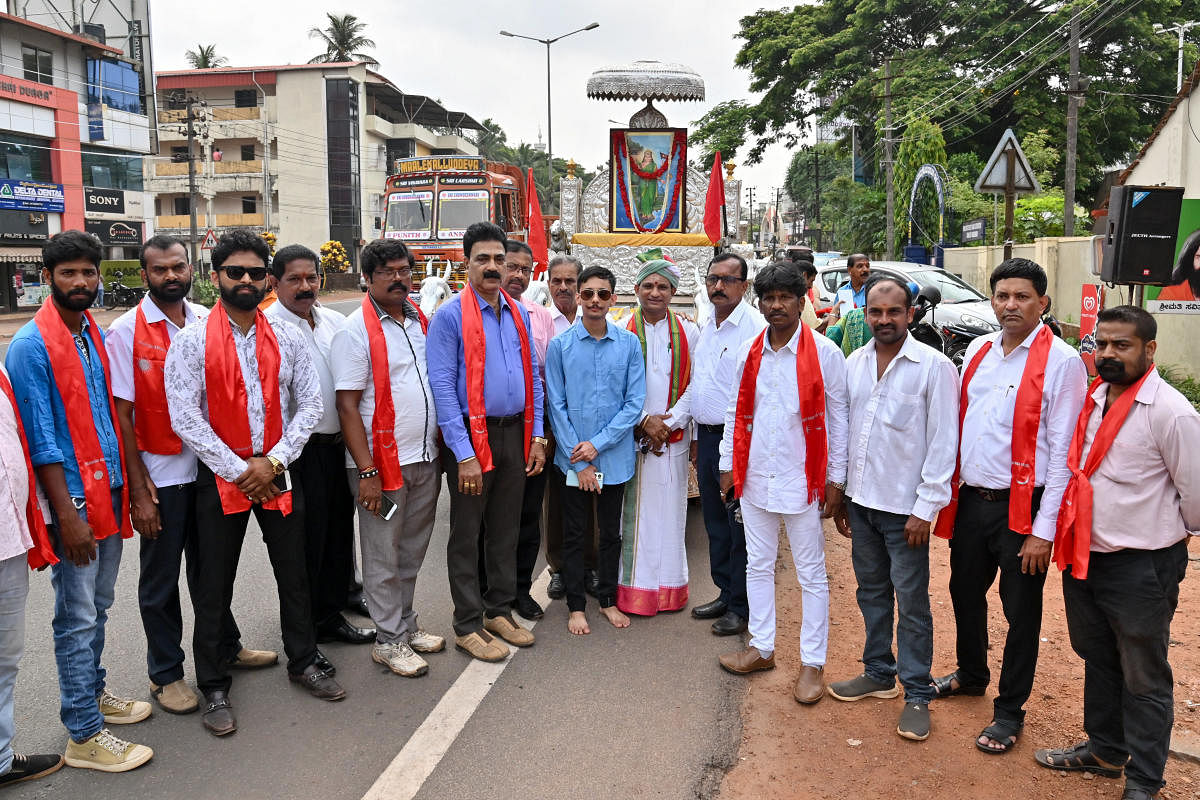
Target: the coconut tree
(205, 57)
(343, 40)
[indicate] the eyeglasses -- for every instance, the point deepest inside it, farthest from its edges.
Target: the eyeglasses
(588, 294)
(392, 274)
(522, 270)
(728, 280)
(235, 273)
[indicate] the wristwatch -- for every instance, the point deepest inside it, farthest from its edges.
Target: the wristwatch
(841, 487)
(276, 465)
(540, 440)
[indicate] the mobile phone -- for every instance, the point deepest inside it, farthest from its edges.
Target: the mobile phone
(573, 479)
(283, 481)
(387, 508)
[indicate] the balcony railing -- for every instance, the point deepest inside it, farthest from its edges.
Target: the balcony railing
(218, 114)
(169, 168)
(223, 220)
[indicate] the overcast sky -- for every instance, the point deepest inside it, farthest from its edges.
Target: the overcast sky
(452, 50)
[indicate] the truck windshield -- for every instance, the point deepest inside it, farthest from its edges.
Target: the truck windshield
(458, 208)
(409, 215)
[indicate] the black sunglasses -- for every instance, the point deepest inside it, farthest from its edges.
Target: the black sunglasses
(588, 294)
(236, 273)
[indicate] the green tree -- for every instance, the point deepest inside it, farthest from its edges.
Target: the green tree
(492, 142)
(826, 159)
(343, 39)
(205, 57)
(922, 144)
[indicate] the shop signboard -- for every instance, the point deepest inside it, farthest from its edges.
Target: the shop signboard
(31, 196)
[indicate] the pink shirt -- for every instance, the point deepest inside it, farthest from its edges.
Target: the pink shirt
(14, 486)
(543, 331)
(1146, 492)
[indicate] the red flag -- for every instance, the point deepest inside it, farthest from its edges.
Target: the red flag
(536, 238)
(714, 202)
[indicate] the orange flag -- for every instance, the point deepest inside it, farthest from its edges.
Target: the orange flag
(536, 238)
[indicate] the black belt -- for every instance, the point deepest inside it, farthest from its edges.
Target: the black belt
(511, 419)
(997, 495)
(711, 428)
(326, 438)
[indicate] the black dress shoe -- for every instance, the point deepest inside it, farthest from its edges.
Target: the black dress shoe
(319, 684)
(528, 608)
(556, 590)
(359, 607)
(710, 610)
(342, 631)
(592, 585)
(729, 624)
(943, 686)
(217, 714)
(324, 664)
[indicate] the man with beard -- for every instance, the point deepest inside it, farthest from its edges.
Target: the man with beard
(232, 385)
(60, 377)
(162, 471)
(320, 469)
(487, 387)
(1122, 541)
(903, 403)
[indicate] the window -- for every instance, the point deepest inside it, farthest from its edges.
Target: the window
(183, 206)
(249, 205)
(38, 63)
(24, 158)
(342, 139)
(115, 84)
(245, 98)
(248, 152)
(104, 169)
(179, 154)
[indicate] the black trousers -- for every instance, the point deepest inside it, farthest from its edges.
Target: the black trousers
(983, 545)
(495, 512)
(218, 549)
(529, 535)
(577, 512)
(328, 525)
(1119, 619)
(556, 485)
(158, 586)
(726, 536)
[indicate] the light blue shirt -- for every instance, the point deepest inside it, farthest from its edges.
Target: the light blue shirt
(596, 388)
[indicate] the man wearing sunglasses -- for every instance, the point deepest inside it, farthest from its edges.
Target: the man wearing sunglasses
(245, 396)
(733, 323)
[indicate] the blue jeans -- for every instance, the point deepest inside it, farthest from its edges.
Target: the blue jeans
(14, 586)
(82, 597)
(886, 569)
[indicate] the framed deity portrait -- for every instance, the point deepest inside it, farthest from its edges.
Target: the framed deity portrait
(648, 176)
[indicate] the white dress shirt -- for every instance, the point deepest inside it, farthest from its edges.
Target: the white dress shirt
(903, 429)
(15, 537)
(416, 418)
(561, 323)
(714, 361)
(775, 479)
(658, 372)
(986, 446)
(164, 470)
(320, 341)
(187, 395)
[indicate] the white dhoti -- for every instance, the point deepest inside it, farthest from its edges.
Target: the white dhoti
(653, 576)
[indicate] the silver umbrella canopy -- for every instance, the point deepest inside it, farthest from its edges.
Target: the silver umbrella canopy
(649, 81)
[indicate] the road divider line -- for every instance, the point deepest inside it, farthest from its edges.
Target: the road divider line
(424, 750)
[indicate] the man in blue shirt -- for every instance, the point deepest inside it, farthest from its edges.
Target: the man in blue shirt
(486, 463)
(853, 293)
(596, 381)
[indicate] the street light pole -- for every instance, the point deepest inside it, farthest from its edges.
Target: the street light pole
(1181, 29)
(549, 116)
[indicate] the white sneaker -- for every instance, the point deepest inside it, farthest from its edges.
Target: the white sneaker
(107, 753)
(119, 711)
(400, 659)
(425, 642)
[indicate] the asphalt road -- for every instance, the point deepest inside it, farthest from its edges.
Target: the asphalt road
(643, 712)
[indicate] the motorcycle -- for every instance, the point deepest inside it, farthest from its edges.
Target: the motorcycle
(925, 332)
(120, 295)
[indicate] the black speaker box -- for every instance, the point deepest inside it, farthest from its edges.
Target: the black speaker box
(1139, 240)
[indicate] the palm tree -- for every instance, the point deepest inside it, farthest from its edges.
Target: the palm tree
(343, 40)
(205, 57)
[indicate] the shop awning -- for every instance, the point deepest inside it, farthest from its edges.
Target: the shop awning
(20, 255)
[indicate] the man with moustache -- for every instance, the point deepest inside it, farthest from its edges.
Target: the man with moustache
(60, 379)
(1122, 541)
(320, 469)
(390, 426)
(1022, 389)
(903, 441)
(733, 323)
(232, 385)
(162, 471)
(851, 294)
(487, 387)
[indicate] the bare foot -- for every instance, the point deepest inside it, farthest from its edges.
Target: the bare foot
(577, 623)
(614, 615)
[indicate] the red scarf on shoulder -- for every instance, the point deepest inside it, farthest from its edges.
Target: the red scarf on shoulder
(228, 406)
(1027, 416)
(383, 421)
(42, 553)
(811, 385)
(475, 355)
(67, 367)
(1073, 535)
(151, 420)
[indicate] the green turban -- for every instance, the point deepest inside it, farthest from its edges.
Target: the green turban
(659, 266)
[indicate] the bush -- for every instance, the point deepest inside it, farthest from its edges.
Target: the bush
(205, 292)
(1188, 386)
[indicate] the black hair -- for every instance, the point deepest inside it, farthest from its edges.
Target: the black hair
(807, 267)
(517, 246)
(1185, 266)
(1144, 325)
(379, 252)
(854, 258)
(731, 256)
(240, 240)
(1021, 268)
(481, 232)
(563, 258)
(780, 276)
(293, 252)
(598, 272)
(878, 278)
(163, 243)
(70, 246)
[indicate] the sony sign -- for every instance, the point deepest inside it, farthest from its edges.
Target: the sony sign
(103, 201)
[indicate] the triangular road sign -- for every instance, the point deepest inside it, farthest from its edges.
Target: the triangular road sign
(994, 177)
(210, 240)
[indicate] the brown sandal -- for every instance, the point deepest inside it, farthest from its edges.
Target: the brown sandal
(1079, 758)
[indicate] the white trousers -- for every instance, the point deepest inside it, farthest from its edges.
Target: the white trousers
(807, 541)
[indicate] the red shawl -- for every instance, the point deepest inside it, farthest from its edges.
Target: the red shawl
(383, 422)
(42, 553)
(151, 420)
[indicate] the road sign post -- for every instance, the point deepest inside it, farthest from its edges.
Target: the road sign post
(1008, 172)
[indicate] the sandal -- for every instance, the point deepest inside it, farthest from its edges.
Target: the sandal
(943, 686)
(1001, 731)
(1079, 758)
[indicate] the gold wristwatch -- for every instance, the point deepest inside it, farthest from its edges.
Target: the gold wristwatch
(276, 465)
(540, 440)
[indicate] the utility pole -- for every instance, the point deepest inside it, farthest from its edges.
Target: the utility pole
(817, 182)
(889, 247)
(191, 159)
(750, 230)
(1072, 132)
(1180, 28)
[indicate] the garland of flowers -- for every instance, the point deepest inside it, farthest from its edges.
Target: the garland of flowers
(270, 239)
(333, 257)
(622, 157)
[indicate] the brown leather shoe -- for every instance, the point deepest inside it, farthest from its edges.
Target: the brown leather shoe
(253, 659)
(508, 630)
(810, 686)
(746, 661)
(481, 645)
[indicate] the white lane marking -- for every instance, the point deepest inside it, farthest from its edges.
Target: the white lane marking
(424, 750)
